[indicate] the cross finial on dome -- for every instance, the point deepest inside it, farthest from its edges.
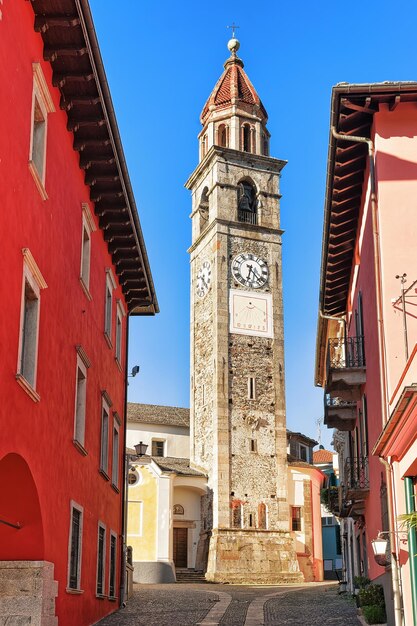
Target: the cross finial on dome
(233, 43)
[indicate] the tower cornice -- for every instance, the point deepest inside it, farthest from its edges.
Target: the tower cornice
(246, 159)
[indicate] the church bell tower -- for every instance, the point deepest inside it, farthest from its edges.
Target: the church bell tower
(238, 428)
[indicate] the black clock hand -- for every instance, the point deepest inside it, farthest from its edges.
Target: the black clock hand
(250, 268)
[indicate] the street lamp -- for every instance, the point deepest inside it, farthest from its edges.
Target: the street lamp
(140, 450)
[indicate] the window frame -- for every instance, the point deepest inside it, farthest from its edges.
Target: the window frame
(156, 441)
(115, 470)
(110, 286)
(251, 388)
(120, 315)
(112, 562)
(80, 418)
(77, 507)
(101, 575)
(296, 518)
(41, 96)
(88, 226)
(33, 277)
(104, 438)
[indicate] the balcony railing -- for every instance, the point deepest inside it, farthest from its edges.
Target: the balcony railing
(249, 217)
(345, 352)
(356, 476)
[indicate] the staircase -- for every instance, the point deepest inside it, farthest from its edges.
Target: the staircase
(190, 576)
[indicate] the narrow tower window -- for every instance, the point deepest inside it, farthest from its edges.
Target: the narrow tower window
(252, 445)
(251, 388)
(222, 135)
(203, 210)
(246, 137)
(247, 203)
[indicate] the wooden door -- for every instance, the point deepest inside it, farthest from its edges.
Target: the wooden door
(180, 547)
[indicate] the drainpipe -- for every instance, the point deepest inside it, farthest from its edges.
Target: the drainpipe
(123, 555)
(412, 543)
(381, 344)
(395, 567)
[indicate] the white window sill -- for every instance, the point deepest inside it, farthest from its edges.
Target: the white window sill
(80, 447)
(118, 364)
(86, 290)
(101, 596)
(115, 487)
(38, 181)
(104, 474)
(108, 340)
(28, 387)
(75, 592)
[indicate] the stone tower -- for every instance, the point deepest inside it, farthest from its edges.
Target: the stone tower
(238, 429)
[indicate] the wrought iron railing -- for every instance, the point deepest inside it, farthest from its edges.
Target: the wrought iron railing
(249, 217)
(356, 474)
(335, 402)
(345, 352)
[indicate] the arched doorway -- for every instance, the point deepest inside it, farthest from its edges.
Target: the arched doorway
(21, 529)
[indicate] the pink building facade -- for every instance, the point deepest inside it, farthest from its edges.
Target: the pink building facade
(367, 331)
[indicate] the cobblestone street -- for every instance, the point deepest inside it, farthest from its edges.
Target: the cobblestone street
(227, 605)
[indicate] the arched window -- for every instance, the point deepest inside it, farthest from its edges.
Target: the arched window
(222, 134)
(237, 516)
(203, 146)
(247, 203)
(246, 138)
(203, 210)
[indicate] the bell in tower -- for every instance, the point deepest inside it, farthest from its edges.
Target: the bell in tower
(238, 427)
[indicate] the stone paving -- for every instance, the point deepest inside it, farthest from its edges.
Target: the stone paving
(232, 605)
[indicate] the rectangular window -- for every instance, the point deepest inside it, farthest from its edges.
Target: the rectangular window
(101, 558)
(112, 572)
(203, 394)
(75, 546)
(295, 518)
(80, 402)
(303, 453)
(251, 388)
(33, 282)
(108, 309)
(119, 332)
(115, 456)
(252, 445)
(158, 448)
(42, 104)
(104, 448)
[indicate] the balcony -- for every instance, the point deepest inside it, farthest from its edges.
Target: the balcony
(339, 413)
(334, 501)
(346, 372)
(356, 479)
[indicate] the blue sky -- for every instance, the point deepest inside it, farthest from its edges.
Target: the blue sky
(162, 60)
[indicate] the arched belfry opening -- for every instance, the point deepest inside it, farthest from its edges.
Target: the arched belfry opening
(247, 203)
(203, 210)
(223, 135)
(246, 138)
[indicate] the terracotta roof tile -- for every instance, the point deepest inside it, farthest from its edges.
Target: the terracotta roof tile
(322, 456)
(156, 414)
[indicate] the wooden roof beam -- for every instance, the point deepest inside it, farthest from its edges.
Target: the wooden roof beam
(351, 152)
(74, 124)
(87, 161)
(51, 53)
(96, 195)
(68, 102)
(44, 22)
(81, 144)
(61, 79)
(92, 179)
(354, 106)
(395, 102)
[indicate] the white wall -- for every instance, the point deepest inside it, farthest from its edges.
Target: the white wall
(190, 500)
(177, 438)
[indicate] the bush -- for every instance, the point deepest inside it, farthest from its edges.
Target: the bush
(373, 595)
(374, 614)
(361, 581)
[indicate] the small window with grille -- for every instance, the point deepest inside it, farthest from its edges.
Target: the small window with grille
(295, 518)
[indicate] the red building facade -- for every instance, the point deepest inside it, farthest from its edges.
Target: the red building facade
(74, 269)
(367, 331)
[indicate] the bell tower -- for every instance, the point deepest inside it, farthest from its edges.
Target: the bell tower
(238, 428)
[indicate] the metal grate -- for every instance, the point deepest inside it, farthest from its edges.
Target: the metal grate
(249, 217)
(356, 474)
(345, 352)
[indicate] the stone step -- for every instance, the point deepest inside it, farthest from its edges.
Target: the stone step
(190, 576)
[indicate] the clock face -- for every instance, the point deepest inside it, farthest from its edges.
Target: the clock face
(204, 279)
(250, 314)
(250, 270)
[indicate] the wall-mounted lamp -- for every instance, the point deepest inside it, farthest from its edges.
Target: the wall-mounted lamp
(141, 448)
(135, 370)
(380, 545)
